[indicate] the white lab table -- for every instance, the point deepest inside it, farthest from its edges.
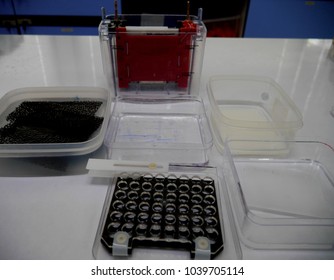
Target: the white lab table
(50, 208)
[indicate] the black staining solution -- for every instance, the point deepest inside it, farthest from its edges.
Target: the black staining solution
(37, 122)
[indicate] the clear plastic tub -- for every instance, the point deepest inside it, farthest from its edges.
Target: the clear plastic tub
(176, 212)
(251, 108)
(15, 98)
(170, 129)
(160, 54)
(283, 206)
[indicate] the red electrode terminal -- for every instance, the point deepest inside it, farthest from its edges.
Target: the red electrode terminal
(188, 25)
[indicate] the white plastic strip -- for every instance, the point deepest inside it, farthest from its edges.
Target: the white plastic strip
(151, 29)
(108, 168)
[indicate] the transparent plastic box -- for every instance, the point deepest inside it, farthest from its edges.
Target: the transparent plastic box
(55, 94)
(251, 108)
(283, 205)
(182, 195)
(167, 129)
(160, 54)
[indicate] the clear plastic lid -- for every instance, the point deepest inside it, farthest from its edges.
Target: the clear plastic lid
(283, 206)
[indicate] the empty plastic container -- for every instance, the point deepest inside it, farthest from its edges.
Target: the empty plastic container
(251, 108)
(166, 129)
(282, 206)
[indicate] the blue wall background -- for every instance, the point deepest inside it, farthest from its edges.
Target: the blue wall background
(290, 19)
(87, 12)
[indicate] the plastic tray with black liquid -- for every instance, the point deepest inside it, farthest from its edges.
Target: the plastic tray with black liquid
(164, 212)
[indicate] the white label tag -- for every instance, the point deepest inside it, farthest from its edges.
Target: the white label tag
(108, 168)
